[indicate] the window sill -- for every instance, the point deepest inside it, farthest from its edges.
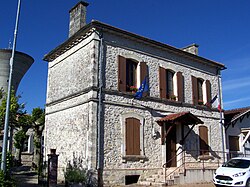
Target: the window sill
(134, 158)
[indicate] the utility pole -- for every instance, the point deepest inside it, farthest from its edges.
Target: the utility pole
(6, 121)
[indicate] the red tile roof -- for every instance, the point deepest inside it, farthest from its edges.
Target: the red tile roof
(231, 115)
(185, 118)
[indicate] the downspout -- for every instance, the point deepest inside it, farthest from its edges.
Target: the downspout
(100, 112)
(221, 114)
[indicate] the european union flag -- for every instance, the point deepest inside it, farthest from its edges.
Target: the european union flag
(143, 88)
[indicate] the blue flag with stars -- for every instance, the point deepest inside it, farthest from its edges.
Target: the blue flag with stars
(143, 88)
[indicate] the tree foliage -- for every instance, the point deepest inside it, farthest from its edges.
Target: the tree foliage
(16, 109)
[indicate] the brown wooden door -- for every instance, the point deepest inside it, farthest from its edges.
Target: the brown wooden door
(171, 148)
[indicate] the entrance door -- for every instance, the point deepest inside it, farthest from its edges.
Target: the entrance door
(171, 148)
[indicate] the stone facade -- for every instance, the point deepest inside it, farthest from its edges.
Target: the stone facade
(72, 102)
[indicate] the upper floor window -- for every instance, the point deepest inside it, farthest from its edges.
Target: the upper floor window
(171, 84)
(131, 73)
(201, 91)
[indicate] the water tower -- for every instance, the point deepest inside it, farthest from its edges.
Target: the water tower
(21, 64)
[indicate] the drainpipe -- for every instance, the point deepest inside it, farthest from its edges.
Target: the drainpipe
(221, 115)
(100, 112)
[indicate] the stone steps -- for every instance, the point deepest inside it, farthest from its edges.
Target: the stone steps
(158, 179)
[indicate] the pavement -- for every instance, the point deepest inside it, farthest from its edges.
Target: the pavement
(25, 177)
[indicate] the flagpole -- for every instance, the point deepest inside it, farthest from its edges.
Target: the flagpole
(221, 120)
(6, 122)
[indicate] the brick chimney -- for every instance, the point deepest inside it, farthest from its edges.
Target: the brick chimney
(77, 17)
(193, 48)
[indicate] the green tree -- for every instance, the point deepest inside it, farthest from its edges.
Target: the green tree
(18, 120)
(38, 120)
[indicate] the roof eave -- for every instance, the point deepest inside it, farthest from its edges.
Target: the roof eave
(106, 27)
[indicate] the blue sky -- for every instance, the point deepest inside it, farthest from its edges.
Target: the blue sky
(220, 28)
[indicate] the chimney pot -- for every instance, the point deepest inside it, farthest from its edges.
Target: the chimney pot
(193, 48)
(77, 17)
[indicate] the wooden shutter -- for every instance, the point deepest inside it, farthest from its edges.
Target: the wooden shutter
(144, 70)
(180, 90)
(194, 90)
(129, 136)
(162, 83)
(234, 143)
(121, 74)
(132, 136)
(203, 133)
(208, 90)
(136, 125)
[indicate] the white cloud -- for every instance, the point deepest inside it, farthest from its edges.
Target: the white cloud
(236, 83)
(236, 102)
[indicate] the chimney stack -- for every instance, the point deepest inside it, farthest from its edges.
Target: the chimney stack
(193, 48)
(77, 17)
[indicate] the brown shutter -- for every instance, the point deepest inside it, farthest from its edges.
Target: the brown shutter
(194, 90)
(203, 132)
(163, 84)
(234, 143)
(180, 88)
(129, 136)
(208, 90)
(136, 148)
(144, 70)
(132, 136)
(121, 74)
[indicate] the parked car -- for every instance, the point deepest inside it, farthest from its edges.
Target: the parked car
(235, 172)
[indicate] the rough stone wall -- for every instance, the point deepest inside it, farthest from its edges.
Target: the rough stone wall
(72, 113)
(116, 106)
(70, 123)
(73, 71)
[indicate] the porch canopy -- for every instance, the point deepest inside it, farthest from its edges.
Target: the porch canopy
(182, 118)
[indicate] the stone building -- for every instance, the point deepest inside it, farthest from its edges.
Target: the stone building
(91, 112)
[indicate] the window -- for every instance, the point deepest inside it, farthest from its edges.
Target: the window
(132, 136)
(201, 91)
(131, 73)
(171, 85)
(203, 133)
(234, 143)
(25, 144)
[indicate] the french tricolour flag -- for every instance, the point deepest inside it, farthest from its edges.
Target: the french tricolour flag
(215, 102)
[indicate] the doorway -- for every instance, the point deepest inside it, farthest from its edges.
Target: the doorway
(171, 147)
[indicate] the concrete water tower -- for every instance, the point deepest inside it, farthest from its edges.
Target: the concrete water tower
(22, 63)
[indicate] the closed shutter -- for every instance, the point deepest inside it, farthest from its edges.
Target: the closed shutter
(180, 88)
(194, 90)
(208, 90)
(121, 74)
(136, 125)
(132, 136)
(203, 133)
(129, 136)
(163, 84)
(234, 143)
